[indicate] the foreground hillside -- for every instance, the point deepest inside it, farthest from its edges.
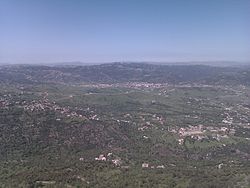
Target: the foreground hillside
(124, 125)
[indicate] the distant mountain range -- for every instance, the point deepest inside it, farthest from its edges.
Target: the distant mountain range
(125, 72)
(79, 63)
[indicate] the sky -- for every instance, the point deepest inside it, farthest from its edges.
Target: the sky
(92, 31)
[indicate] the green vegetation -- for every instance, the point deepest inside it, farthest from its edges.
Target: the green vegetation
(122, 134)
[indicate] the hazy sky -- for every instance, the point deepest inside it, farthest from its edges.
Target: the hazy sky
(36, 31)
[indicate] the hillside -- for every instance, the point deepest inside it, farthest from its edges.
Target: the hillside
(125, 72)
(124, 125)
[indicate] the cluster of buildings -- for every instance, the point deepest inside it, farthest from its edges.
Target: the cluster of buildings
(109, 157)
(237, 115)
(134, 85)
(7, 100)
(4, 103)
(146, 165)
(147, 124)
(200, 132)
(45, 104)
